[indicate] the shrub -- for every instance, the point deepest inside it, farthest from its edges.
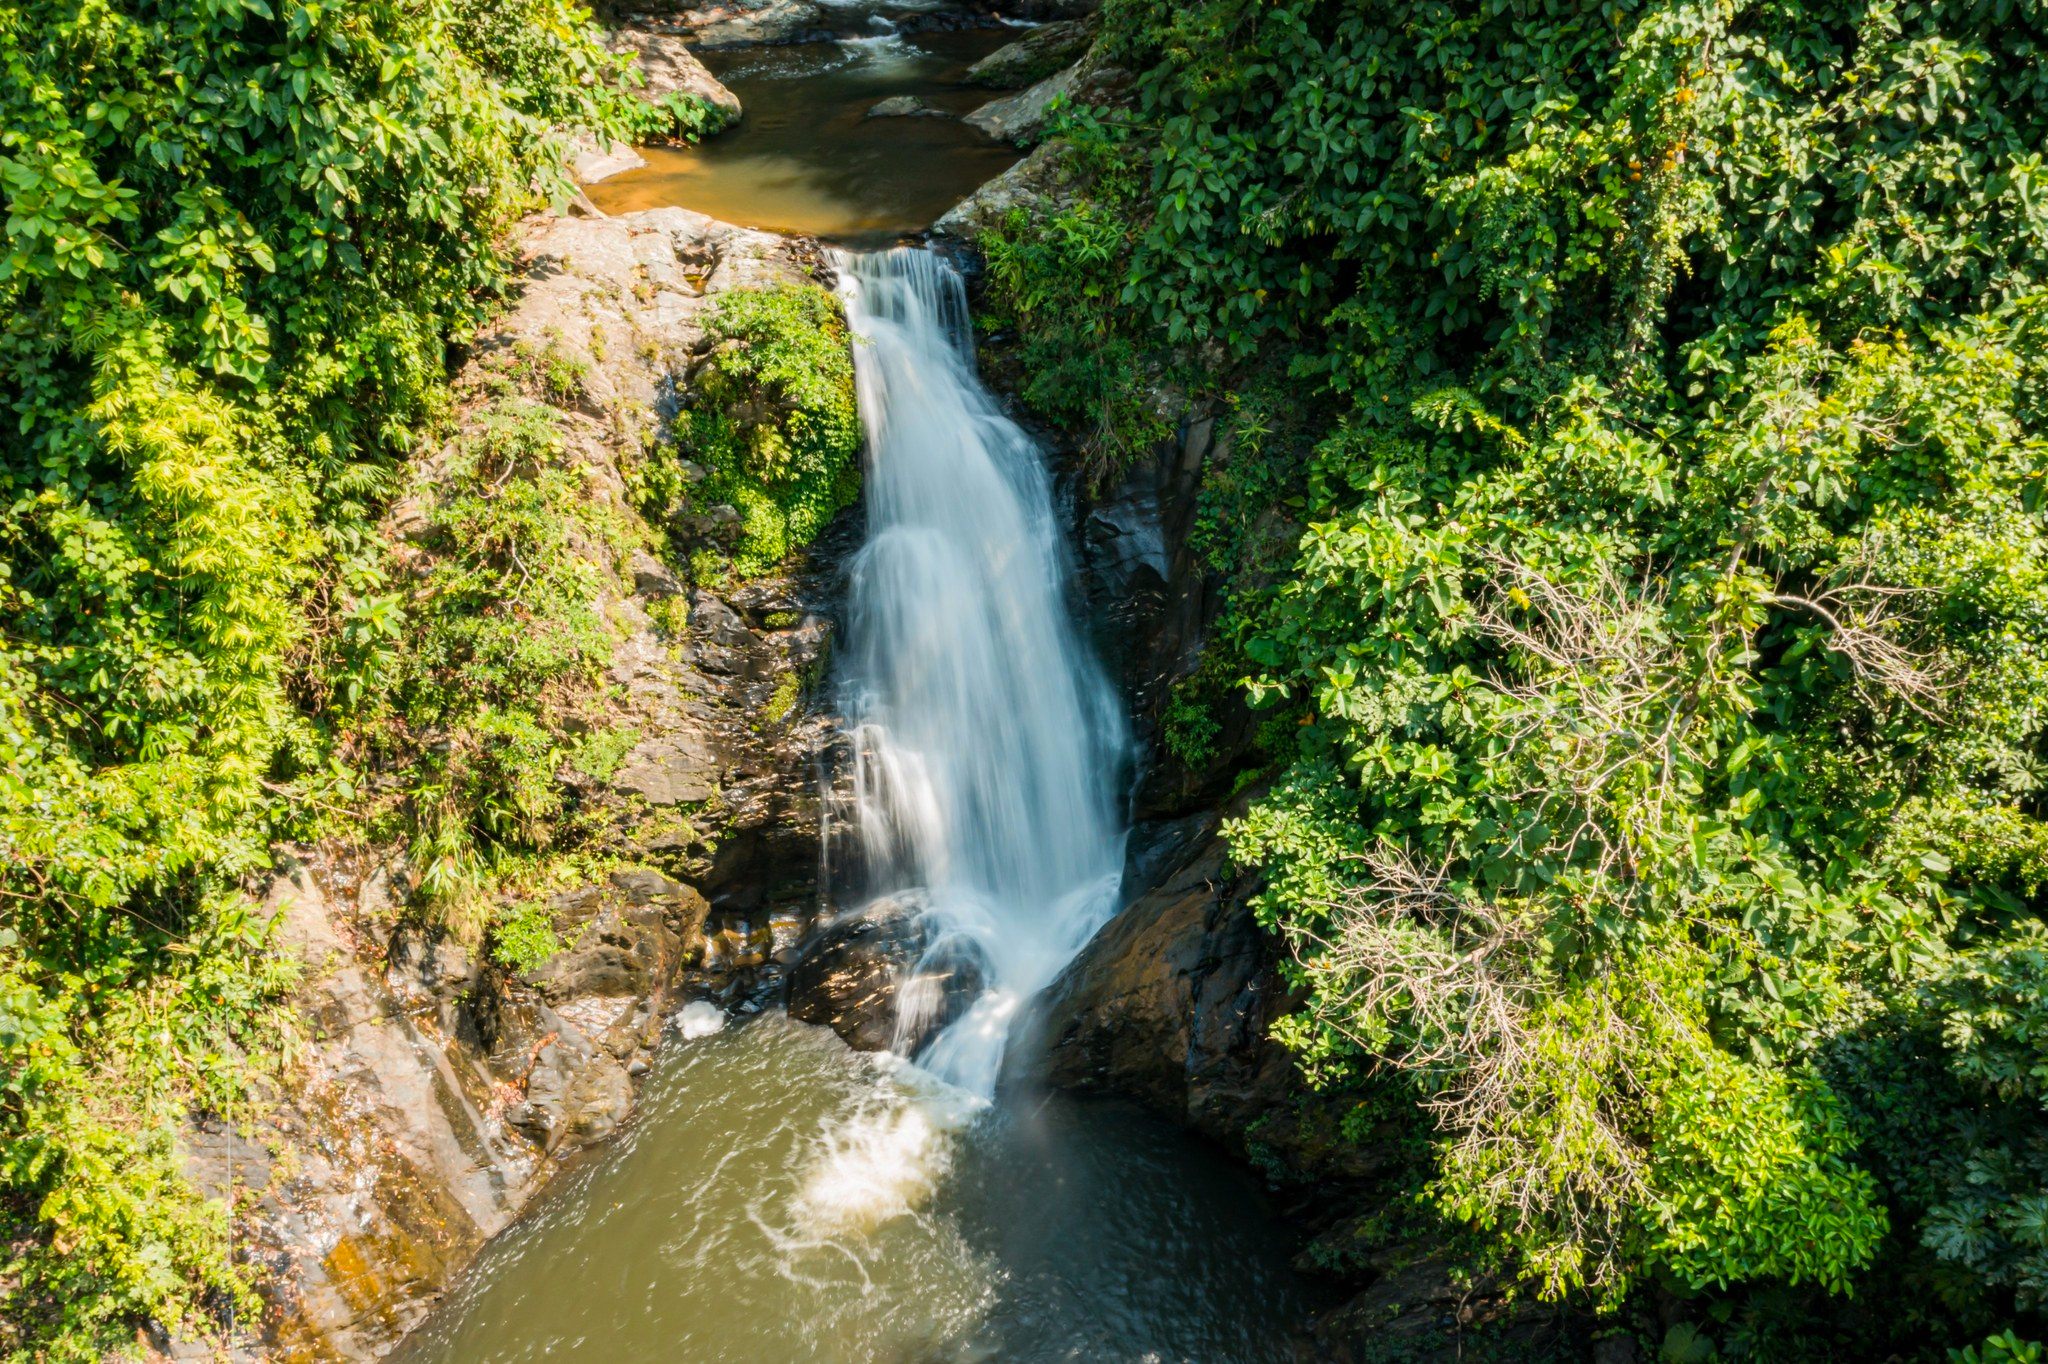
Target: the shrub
(1656, 674)
(772, 418)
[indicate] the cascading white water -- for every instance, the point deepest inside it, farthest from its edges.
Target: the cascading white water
(987, 743)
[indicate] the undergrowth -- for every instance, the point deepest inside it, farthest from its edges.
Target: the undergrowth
(772, 423)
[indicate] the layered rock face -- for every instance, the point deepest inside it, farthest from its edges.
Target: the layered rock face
(439, 1091)
(1174, 1000)
(435, 1095)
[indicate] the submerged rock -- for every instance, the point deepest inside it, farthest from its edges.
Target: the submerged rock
(904, 106)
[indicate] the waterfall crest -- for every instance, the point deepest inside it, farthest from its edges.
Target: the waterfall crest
(987, 742)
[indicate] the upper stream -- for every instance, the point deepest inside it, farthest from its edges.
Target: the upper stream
(782, 1198)
(807, 158)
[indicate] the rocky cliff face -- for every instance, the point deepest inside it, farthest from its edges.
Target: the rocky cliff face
(1173, 1004)
(438, 1091)
(435, 1095)
(1174, 1000)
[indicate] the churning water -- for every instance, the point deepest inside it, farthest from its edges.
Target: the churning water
(782, 1198)
(1053, 1230)
(987, 741)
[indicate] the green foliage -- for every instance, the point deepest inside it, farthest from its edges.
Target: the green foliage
(544, 63)
(524, 936)
(97, 1066)
(772, 420)
(501, 648)
(1658, 677)
(239, 237)
(1056, 280)
(2003, 1348)
(600, 752)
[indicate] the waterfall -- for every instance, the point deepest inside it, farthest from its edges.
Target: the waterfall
(987, 742)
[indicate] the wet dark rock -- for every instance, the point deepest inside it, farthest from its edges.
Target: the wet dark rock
(1173, 1004)
(1049, 9)
(846, 976)
(720, 637)
(1173, 1001)
(873, 976)
(1153, 599)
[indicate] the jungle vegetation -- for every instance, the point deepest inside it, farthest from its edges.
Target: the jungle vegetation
(242, 238)
(1633, 499)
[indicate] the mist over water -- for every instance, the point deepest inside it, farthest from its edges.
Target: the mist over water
(987, 741)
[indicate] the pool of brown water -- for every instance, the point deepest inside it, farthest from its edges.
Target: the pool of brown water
(783, 1200)
(806, 158)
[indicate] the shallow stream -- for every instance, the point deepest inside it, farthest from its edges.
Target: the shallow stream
(806, 158)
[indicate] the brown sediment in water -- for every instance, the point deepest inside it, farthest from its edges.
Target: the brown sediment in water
(806, 158)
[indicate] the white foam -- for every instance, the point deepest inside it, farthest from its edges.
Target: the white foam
(874, 1167)
(885, 1159)
(699, 1018)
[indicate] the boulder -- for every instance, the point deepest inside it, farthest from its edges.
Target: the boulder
(1021, 118)
(1037, 184)
(876, 977)
(1047, 10)
(590, 163)
(668, 67)
(1174, 1000)
(764, 25)
(1038, 54)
